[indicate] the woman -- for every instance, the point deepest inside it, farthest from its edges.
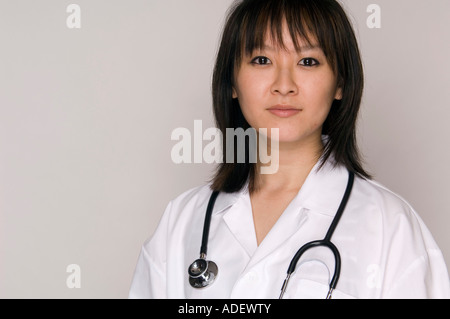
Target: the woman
(293, 66)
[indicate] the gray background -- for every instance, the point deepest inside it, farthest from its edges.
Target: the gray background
(86, 117)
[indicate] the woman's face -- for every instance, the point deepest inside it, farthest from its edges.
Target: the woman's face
(289, 90)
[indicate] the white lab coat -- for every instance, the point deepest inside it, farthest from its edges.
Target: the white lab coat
(386, 250)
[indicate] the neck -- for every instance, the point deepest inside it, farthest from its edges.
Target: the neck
(296, 160)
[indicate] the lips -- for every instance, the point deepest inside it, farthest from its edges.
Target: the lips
(284, 111)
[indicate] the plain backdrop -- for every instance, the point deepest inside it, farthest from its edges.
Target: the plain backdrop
(86, 117)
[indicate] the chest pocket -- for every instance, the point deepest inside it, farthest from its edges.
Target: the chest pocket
(308, 289)
(311, 281)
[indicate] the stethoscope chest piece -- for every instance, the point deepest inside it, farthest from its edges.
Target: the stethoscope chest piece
(202, 273)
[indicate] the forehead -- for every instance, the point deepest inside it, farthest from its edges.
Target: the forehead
(280, 37)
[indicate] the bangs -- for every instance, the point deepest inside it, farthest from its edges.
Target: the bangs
(309, 23)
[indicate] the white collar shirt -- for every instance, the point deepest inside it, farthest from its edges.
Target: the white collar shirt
(386, 249)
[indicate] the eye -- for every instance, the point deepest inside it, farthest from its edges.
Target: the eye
(261, 60)
(309, 62)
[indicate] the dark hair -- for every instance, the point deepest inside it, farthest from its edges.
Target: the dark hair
(245, 31)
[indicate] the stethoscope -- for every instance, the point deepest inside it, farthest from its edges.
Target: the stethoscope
(202, 272)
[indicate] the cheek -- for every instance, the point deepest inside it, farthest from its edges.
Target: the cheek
(323, 88)
(318, 97)
(320, 94)
(251, 92)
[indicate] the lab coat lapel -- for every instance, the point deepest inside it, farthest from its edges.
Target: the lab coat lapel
(239, 219)
(236, 211)
(321, 193)
(288, 224)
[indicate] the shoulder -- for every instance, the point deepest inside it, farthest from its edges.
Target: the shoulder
(192, 195)
(181, 211)
(394, 214)
(376, 193)
(189, 201)
(383, 201)
(186, 208)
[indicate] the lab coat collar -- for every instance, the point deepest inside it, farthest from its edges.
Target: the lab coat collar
(226, 200)
(322, 191)
(324, 188)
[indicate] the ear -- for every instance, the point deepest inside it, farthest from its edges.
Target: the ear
(235, 96)
(338, 95)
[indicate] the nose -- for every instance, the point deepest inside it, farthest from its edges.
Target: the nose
(284, 83)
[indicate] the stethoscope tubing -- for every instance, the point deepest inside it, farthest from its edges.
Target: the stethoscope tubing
(326, 242)
(207, 224)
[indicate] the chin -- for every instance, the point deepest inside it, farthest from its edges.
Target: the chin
(283, 135)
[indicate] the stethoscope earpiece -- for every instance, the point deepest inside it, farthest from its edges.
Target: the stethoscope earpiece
(202, 273)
